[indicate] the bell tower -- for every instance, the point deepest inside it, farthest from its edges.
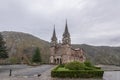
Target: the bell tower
(66, 35)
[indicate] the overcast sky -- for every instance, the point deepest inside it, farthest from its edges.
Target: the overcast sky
(94, 22)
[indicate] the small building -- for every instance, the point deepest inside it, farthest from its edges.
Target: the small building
(61, 53)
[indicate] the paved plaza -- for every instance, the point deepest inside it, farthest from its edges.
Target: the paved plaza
(24, 72)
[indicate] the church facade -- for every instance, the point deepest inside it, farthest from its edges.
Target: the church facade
(61, 53)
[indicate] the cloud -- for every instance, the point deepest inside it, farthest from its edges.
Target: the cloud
(93, 22)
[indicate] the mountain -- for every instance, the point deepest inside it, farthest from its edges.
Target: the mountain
(101, 54)
(23, 45)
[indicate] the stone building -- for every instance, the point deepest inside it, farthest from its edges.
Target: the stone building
(63, 52)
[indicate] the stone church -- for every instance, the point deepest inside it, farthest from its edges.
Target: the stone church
(61, 53)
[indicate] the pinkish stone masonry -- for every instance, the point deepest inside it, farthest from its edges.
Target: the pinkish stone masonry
(63, 52)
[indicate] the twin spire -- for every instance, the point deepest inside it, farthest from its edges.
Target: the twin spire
(66, 32)
(54, 38)
(66, 36)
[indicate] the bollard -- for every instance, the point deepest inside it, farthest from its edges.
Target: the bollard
(10, 72)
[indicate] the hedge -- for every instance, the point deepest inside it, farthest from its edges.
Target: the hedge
(77, 73)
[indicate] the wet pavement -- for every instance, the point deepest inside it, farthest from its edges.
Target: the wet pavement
(23, 72)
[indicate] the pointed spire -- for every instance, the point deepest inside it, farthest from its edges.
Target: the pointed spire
(66, 35)
(66, 32)
(66, 28)
(54, 38)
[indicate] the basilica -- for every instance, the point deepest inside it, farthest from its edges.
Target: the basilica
(63, 52)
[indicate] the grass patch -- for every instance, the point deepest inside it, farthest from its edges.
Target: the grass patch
(62, 69)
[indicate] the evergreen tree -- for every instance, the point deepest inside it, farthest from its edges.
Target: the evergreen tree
(3, 49)
(36, 56)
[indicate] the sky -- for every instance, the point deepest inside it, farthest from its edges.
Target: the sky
(93, 22)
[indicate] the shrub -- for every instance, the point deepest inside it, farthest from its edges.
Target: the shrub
(89, 68)
(75, 65)
(88, 64)
(61, 65)
(97, 67)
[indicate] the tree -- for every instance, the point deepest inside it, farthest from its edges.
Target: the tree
(36, 56)
(3, 49)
